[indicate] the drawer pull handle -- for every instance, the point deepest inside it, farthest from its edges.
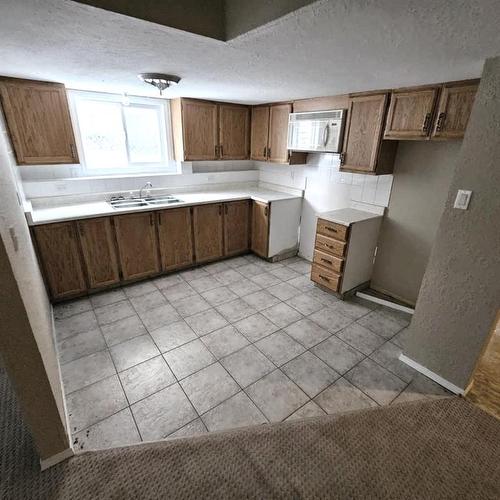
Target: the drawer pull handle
(331, 229)
(324, 278)
(326, 260)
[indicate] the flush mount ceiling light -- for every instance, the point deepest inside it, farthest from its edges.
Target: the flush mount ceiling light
(159, 80)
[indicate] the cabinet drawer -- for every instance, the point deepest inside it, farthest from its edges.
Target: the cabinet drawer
(328, 261)
(331, 229)
(325, 277)
(330, 245)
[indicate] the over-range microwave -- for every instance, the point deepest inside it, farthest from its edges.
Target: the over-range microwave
(316, 131)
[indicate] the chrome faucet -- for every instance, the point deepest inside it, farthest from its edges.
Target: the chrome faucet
(147, 185)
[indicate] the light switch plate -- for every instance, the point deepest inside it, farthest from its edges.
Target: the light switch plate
(462, 200)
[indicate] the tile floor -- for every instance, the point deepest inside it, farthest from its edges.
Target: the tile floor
(235, 343)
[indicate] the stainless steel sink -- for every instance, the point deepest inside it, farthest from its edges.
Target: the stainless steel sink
(144, 202)
(162, 201)
(128, 203)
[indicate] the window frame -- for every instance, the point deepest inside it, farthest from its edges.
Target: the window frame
(167, 166)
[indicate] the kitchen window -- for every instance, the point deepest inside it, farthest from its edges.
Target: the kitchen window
(122, 135)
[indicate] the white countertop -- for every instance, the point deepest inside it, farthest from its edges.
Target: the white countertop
(347, 216)
(102, 208)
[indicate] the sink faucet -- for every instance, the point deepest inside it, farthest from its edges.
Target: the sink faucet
(147, 185)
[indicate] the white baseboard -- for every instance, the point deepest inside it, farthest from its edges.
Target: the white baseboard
(433, 376)
(55, 459)
(384, 302)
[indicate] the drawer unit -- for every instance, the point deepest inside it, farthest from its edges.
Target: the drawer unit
(332, 230)
(328, 261)
(325, 277)
(330, 245)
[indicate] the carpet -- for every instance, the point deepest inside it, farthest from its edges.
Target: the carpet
(444, 448)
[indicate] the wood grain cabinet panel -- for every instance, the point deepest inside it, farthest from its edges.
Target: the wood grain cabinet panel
(137, 244)
(259, 133)
(455, 106)
(39, 122)
(99, 251)
(236, 227)
(410, 113)
(234, 132)
(208, 232)
(278, 133)
(175, 231)
(260, 228)
(60, 258)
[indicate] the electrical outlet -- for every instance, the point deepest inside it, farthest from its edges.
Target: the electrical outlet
(463, 199)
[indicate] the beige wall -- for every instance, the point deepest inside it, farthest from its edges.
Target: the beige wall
(460, 291)
(422, 177)
(26, 333)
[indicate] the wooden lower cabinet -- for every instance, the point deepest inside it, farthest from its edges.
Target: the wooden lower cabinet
(175, 232)
(97, 240)
(60, 259)
(260, 228)
(208, 232)
(236, 227)
(137, 245)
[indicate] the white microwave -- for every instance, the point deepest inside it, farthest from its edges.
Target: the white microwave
(320, 131)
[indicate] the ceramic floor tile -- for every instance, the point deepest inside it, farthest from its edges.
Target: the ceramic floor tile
(87, 370)
(188, 358)
(237, 411)
(163, 412)
(305, 304)
(114, 312)
(400, 317)
(237, 262)
(177, 291)
(256, 327)
(326, 298)
(228, 276)
(216, 267)
(303, 283)
(205, 283)
(149, 300)
(279, 348)
(401, 338)
(109, 297)
(94, 403)
(337, 354)
(224, 341)
(283, 291)
(276, 396)
(360, 338)
(209, 387)
(310, 409)
(342, 397)
(159, 316)
(206, 322)
(80, 345)
(174, 335)
(194, 274)
(117, 430)
(194, 428)
(191, 305)
(67, 309)
(250, 270)
(301, 267)
(375, 381)
(265, 280)
(421, 387)
(78, 323)
(388, 356)
(351, 308)
(330, 320)
(307, 332)
(284, 273)
(247, 366)
(146, 378)
(282, 315)
(138, 289)
(244, 287)
(381, 324)
(133, 352)
(268, 266)
(261, 300)
(123, 329)
(310, 373)
(235, 310)
(219, 296)
(164, 282)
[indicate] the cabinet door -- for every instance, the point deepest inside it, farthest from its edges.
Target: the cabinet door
(259, 133)
(234, 132)
(236, 227)
(207, 224)
(137, 244)
(199, 129)
(278, 133)
(99, 251)
(364, 132)
(260, 228)
(175, 231)
(39, 123)
(410, 114)
(455, 106)
(60, 258)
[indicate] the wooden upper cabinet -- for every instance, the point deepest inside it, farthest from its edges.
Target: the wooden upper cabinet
(260, 133)
(208, 235)
(137, 244)
(454, 109)
(236, 227)
(175, 231)
(97, 239)
(60, 259)
(260, 228)
(39, 122)
(410, 113)
(234, 132)
(278, 133)
(364, 150)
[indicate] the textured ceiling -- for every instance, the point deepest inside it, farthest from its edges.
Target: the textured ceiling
(326, 48)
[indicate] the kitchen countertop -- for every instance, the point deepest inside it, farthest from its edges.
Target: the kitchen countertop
(347, 216)
(88, 210)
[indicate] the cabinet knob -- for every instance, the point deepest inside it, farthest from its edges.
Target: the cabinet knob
(425, 126)
(440, 123)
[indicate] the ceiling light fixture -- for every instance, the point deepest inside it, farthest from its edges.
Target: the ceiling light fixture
(159, 80)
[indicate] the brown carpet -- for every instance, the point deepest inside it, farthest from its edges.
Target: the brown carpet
(445, 448)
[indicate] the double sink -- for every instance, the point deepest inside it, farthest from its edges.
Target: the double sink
(143, 202)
